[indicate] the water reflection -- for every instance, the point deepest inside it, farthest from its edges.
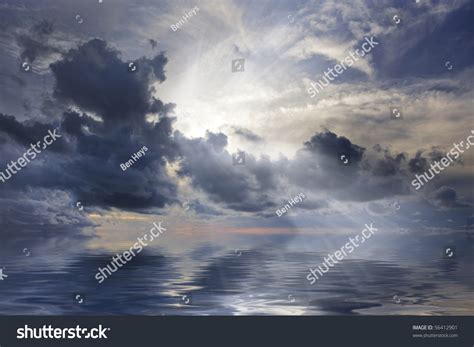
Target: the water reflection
(264, 281)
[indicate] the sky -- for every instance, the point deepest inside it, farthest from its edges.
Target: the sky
(193, 113)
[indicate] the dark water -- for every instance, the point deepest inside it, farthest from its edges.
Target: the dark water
(212, 281)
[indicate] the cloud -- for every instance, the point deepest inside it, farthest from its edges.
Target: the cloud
(331, 145)
(389, 165)
(317, 170)
(209, 165)
(247, 134)
(321, 168)
(86, 161)
(447, 197)
(153, 43)
(35, 42)
(95, 79)
(28, 133)
(420, 163)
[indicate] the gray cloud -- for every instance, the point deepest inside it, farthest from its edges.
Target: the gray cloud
(34, 43)
(86, 160)
(247, 134)
(317, 168)
(242, 188)
(94, 78)
(447, 197)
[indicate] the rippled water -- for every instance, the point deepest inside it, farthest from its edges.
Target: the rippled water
(212, 281)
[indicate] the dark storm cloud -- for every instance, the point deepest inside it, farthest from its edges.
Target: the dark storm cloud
(333, 146)
(447, 197)
(28, 133)
(242, 188)
(94, 78)
(389, 165)
(259, 185)
(418, 164)
(319, 166)
(436, 154)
